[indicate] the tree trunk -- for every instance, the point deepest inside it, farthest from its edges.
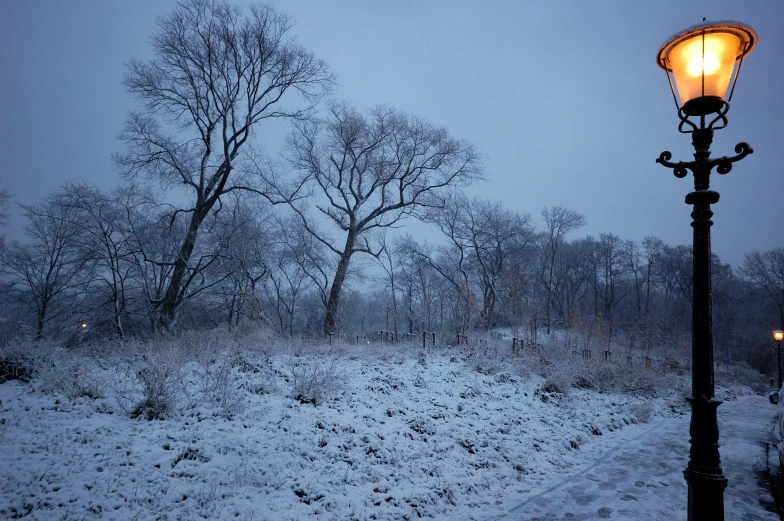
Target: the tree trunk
(173, 297)
(39, 330)
(331, 315)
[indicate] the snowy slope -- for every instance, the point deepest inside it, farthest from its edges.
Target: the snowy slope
(399, 437)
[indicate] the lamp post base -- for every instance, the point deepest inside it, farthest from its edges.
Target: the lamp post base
(706, 495)
(704, 474)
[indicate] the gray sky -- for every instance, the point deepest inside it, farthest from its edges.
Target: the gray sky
(563, 97)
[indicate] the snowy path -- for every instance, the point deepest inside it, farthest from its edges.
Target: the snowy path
(640, 475)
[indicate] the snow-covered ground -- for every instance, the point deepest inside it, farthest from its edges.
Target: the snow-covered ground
(397, 435)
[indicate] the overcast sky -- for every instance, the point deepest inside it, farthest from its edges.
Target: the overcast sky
(562, 97)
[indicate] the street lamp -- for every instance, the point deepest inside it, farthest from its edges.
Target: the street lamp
(778, 336)
(704, 61)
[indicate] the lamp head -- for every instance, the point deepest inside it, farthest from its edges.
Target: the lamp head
(704, 60)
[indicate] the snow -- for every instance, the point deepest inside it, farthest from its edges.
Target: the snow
(397, 435)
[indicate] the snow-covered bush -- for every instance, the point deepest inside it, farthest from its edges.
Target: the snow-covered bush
(154, 380)
(738, 375)
(561, 368)
(313, 381)
(71, 374)
(53, 369)
(16, 363)
(489, 358)
(219, 381)
(643, 412)
(582, 382)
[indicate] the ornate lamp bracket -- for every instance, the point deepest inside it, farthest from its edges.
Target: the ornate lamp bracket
(701, 167)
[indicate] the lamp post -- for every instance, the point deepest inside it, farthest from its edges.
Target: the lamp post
(778, 336)
(702, 62)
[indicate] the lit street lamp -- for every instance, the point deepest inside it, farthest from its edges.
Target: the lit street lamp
(703, 62)
(778, 336)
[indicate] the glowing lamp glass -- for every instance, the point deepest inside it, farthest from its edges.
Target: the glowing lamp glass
(704, 67)
(778, 336)
(704, 59)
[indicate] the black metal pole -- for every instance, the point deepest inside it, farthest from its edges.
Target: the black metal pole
(704, 475)
(778, 348)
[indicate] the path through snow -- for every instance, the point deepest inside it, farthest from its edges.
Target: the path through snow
(640, 477)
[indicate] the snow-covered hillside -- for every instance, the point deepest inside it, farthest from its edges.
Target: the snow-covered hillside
(394, 434)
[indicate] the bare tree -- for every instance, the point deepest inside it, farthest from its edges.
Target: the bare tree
(632, 258)
(367, 172)
(558, 222)
(422, 274)
(99, 217)
(45, 270)
(572, 270)
(217, 74)
(766, 271)
(246, 232)
(653, 249)
(676, 271)
(613, 267)
(290, 270)
(495, 236)
(5, 200)
(453, 259)
(390, 264)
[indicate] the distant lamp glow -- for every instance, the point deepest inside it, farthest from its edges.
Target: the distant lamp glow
(84, 325)
(704, 60)
(778, 336)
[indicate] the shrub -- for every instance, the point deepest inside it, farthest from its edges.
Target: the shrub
(642, 412)
(52, 369)
(72, 375)
(21, 361)
(550, 386)
(582, 382)
(739, 374)
(158, 373)
(219, 381)
(313, 381)
(12, 368)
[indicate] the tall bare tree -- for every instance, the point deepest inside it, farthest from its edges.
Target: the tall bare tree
(558, 222)
(653, 249)
(366, 172)
(45, 271)
(573, 270)
(452, 260)
(495, 235)
(244, 264)
(217, 73)
(99, 217)
(766, 271)
(5, 200)
(390, 264)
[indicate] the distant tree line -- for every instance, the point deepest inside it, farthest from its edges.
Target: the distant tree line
(205, 229)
